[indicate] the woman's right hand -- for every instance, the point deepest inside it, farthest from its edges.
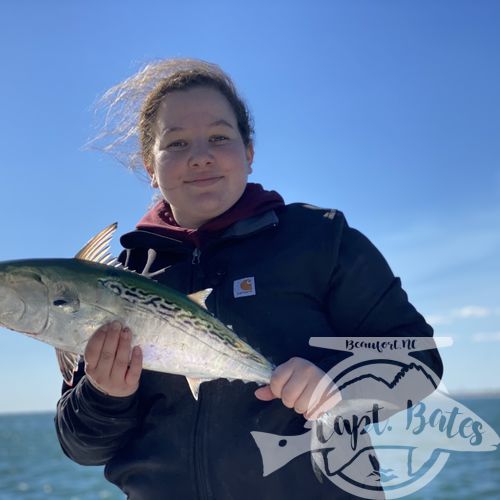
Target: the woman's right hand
(111, 365)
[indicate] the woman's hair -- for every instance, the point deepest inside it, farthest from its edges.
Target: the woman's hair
(131, 107)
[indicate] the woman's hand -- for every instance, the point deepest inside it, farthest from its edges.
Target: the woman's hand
(111, 365)
(296, 383)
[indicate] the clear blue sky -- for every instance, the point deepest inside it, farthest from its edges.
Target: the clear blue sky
(386, 110)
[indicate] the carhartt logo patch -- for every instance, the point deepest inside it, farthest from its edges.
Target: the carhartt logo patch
(244, 287)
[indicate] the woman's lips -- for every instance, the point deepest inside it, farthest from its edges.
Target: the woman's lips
(209, 181)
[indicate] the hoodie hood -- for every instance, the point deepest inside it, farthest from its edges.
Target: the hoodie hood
(255, 200)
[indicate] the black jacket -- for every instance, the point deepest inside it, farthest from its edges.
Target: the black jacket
(314, 276)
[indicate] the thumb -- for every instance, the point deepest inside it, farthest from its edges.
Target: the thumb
(264, 393)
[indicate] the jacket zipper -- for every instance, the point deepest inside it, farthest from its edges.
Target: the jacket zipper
(196, 256)
(195, 261)
(198, 441)
(199, 451)
(202, 486)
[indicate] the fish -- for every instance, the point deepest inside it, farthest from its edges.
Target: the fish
(62, 301)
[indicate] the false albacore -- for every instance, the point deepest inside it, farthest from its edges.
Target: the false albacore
(63, 301)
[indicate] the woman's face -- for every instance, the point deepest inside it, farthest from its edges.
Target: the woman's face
(201, 164)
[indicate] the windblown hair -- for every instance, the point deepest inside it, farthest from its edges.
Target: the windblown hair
(130, 108)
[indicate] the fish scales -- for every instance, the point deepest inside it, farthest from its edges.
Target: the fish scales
(174, 313)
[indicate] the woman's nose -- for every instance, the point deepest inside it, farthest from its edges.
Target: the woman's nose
(200, 155)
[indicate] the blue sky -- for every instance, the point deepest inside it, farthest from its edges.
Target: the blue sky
(386, 110)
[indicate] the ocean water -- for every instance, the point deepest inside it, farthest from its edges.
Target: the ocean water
(32, 465)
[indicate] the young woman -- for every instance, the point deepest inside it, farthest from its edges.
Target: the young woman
(306, 274)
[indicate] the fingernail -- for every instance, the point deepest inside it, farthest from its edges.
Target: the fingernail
(125, 334)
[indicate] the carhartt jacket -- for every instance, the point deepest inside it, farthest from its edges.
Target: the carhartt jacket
(306, 274)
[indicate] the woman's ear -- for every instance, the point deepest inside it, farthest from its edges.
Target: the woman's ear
(249, 155)
(152, 175)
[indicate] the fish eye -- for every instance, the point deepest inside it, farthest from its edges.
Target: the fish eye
(65, 299)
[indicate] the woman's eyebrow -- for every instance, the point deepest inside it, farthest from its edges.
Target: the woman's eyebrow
(171, 129)
(221, 122)
(213, 124)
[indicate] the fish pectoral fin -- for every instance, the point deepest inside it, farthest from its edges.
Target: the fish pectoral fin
(194, 385)
(200, 297)
(97, 249)
(68, 364)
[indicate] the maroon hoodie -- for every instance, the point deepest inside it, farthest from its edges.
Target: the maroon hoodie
(254, 201)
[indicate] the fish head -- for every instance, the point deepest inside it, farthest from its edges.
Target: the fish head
(39, 297)
(24, 298)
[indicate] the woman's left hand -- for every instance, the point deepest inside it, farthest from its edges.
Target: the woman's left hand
(296, 383)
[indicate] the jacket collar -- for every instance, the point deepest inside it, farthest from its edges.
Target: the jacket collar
(245, 227)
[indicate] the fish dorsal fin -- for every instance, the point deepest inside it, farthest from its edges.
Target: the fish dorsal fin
(68, 364)
(194, 385)
(200, 297)
(97, 249)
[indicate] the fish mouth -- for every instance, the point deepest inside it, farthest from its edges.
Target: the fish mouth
(12, 306)
(23, 304)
